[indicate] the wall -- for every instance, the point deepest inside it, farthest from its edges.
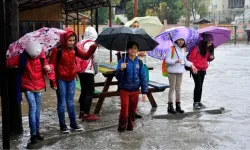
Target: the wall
(48, 13)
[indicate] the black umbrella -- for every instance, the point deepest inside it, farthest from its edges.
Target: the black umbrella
(117, 39)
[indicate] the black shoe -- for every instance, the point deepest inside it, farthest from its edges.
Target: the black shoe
(33, 139)
(138, 116)
(196, 105)
(64, 129)
(178, 108)
(171, 108)
(76, 127)
(120, 129)
(39, 136)
(202, 105)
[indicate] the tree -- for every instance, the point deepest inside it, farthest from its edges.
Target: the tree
(159, 10)
(199, 7)
(172, 10)
(175, 10)
(103, 15)
(187, 4)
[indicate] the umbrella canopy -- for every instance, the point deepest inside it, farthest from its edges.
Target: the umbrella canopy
(220, 35)
(151, 24)
(47, 37)
(117, 39)
(166, 39)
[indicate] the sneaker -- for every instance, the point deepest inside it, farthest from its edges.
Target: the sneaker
(64, 130)
(196, 105)
(76, 127)
(39, 136)
(89, 118)
(202, 105)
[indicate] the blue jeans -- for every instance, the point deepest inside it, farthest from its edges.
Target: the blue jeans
(34, 100)
(65, 95)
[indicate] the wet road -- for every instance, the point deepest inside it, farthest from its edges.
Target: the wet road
(227, 84)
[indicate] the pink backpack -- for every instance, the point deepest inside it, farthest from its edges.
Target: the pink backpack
(81, 64)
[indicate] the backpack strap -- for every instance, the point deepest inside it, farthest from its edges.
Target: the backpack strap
(172, 51)
(92, 56)
(59, 54)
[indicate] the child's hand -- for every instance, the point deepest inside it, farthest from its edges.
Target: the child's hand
(144, 97)
(95, 44)
(194, 69)
(123, 66)
(47, 68)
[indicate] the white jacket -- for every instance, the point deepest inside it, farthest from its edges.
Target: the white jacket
(90, 34)
(177, 67)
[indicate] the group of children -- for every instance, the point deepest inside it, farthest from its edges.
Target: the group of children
(62, 69)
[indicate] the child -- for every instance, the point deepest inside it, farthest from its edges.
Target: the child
(33, 64)
(87, 76)
(176, 68)
(131, 76)
(64, 60)
(200, 56)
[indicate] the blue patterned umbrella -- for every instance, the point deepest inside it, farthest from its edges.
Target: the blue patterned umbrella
(165, 41)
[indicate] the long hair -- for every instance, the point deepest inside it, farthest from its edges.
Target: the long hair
(183, 46)
(204, 49)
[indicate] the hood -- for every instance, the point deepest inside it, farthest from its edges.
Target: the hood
(34, 49)
(178, 36)
(90, 34)
(64, 38)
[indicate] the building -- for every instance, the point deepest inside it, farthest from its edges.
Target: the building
(227, 11)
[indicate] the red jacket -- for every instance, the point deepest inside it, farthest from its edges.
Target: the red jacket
(66, 67)
(32, 78)
(199, 61)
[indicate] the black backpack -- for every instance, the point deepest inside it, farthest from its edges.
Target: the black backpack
(59, 53)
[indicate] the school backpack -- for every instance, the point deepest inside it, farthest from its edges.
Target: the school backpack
(81, 64)
(164, 66)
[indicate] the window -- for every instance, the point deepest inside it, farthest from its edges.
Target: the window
(236, 3)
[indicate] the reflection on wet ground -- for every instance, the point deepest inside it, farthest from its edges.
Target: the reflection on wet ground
(227, 84)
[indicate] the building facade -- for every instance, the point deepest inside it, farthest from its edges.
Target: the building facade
(227, 11)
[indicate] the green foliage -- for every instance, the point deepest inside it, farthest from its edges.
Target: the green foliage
(118, 20)
(172, 10)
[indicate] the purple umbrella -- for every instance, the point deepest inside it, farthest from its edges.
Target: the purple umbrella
(220, 35)
(165, 40)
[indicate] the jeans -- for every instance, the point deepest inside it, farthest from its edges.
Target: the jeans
(65, 95)
(87, 82)
(198, 80)
(34, 101)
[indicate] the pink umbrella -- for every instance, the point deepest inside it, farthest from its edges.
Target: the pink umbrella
(47, 37)
(220, 35)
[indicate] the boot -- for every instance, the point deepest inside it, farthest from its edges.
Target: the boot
(178, 107)
(138, 116)
(33, 139)
(171, 108)
(122, 124)
(39, 136)
(131, 120)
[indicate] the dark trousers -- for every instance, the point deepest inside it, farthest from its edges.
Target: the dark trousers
(87, 82)
(198, 80)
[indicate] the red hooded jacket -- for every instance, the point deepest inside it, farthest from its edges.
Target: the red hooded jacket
(66, 68)
(32, 78)
(199, 61)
